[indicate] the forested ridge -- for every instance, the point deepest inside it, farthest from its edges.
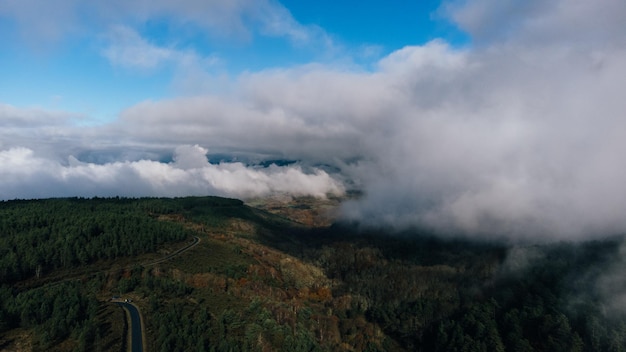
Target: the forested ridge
(430, 294)
(37, 236)
(259, 282)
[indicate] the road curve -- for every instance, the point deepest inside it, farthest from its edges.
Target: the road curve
(136, 341)
(135, 323)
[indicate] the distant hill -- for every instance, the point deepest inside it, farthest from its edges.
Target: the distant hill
(274, 279)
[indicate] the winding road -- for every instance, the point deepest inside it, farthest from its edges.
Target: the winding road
(135, 325)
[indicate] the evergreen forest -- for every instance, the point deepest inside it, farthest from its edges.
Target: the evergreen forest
(214, 274)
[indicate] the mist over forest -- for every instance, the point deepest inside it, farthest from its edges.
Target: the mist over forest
(264, 175)
(212, 273)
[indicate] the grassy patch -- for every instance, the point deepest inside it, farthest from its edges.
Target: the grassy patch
(214, 256)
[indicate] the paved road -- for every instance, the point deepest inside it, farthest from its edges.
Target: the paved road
(135, 318)
(135, 325)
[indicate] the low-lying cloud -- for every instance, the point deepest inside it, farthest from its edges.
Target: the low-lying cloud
(26, 175)
(519, 135)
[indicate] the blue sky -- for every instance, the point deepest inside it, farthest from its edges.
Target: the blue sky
(391, 24)
(485, 117)
(71, 71)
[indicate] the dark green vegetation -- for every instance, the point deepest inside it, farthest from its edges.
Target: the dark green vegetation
(40, 236)
(259, 282)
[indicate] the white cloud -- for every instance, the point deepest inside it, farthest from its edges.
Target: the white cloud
(27, 175)
(492, 141)
(484, 141)
(128, 49)
(42, 21)
(512, 137)
(537, 22)
(11, 116)
(190, 157)
(48, 21)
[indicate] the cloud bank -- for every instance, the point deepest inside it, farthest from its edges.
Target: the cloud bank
(518, 135)
(25, 175)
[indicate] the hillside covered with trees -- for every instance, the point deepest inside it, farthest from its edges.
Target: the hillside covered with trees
(261, 282)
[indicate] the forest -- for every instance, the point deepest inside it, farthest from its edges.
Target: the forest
(257, 281)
